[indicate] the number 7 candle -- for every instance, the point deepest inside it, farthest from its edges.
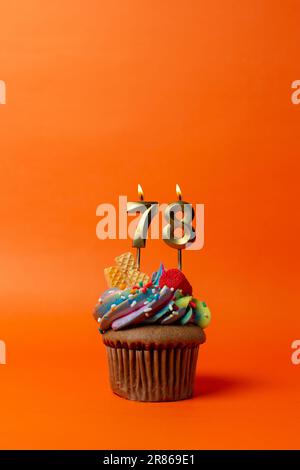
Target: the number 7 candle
(148, 209)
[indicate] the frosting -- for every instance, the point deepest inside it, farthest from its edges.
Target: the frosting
(161, 301)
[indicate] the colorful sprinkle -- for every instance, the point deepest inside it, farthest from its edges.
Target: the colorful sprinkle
(133, 303)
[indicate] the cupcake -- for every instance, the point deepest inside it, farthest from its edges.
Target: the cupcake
(152, 330)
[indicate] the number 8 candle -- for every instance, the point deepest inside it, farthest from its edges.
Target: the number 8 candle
(185, 224)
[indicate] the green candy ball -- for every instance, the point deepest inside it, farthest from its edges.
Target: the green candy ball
(202, 314)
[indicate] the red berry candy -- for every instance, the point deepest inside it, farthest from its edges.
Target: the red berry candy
(175, 278)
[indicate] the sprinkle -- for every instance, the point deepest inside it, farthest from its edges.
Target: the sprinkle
(100, 300)
(123, 297)
(171, 307)
(192, 304)
(141, 283)
(146, 302)
(135, 287)
(147, 314)
(110, 291)
(149, 284)
(99, 320)
(148, 309)
(153, 291)
(144, 290)
(172, 289)
(130, 296)
(113, 307)
(133, 291)
(133, 303)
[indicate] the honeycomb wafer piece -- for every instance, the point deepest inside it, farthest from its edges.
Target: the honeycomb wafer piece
(115, 277)
(125, 262)
(134, 277)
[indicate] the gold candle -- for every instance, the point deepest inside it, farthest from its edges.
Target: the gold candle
(185, 224)
(148, 209)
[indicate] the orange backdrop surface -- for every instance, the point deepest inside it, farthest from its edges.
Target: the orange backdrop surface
(102, 95)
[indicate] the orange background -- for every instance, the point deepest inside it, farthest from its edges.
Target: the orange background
(101, 96)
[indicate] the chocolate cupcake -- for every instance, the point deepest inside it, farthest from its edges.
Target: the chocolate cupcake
(152, 331)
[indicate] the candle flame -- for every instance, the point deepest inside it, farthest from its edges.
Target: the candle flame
(178, 192)
(140, 192)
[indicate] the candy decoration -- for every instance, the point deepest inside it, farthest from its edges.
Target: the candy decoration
(157, 275)
(176, 279)
(165, 300)
(183, 302)
(202, 314)
(187, 317)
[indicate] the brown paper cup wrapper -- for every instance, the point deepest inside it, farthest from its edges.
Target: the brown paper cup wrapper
(153, 375)
(153, 363)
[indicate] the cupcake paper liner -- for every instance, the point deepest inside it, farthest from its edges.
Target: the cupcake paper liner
(154, 374)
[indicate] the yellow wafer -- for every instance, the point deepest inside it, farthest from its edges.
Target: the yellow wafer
(115, 277)
(134, 277)
(125, 262)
